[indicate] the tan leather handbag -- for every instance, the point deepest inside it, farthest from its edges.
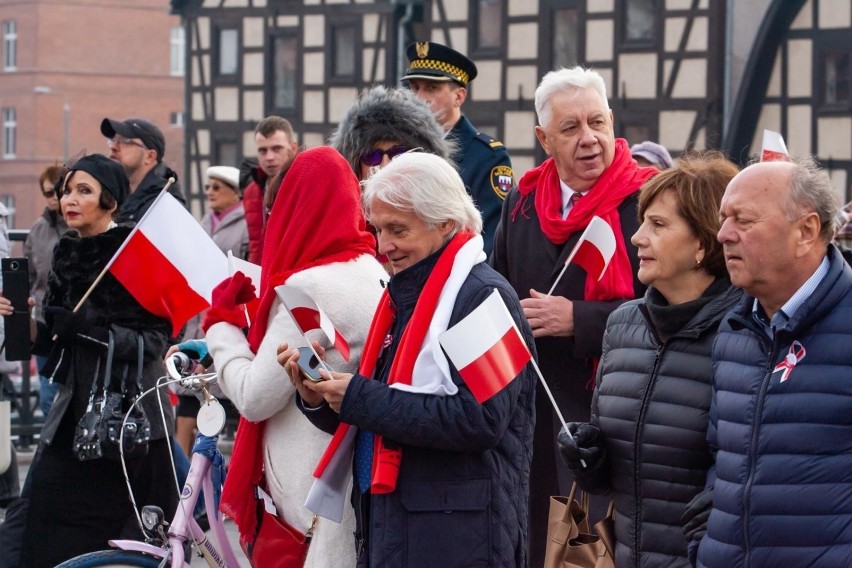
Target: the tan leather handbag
(570, 542)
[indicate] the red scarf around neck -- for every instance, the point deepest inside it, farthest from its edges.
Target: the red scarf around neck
(387, 460)
(620, 180)
(316, 220)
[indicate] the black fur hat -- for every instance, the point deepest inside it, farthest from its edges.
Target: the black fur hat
(396, 115)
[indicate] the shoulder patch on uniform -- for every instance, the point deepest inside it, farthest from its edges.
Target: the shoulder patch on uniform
(488, 140)
(502, 180)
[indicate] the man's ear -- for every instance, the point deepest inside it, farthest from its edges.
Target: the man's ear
(809, 233)
(542, 139)
(461, 96)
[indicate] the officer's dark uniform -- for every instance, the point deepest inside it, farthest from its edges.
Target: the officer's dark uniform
(483, 162)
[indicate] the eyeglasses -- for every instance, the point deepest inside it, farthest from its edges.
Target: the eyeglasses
(48, 194)
(375, 157)
(121, 140)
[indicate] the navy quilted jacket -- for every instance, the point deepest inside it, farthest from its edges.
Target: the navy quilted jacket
(461, 497)
(783, 474)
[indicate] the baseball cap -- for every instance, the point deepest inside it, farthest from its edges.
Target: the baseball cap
(150, 135)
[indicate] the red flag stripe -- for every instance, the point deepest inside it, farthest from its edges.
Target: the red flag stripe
(488, 374)
(590, 258)
(306, 318)
(164, 291)
(773, 156)
(341, 345)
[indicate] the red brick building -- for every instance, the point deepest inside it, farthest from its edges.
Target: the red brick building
(64, 67)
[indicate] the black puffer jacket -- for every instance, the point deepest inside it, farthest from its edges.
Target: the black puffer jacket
(652, 404)
(143, 196)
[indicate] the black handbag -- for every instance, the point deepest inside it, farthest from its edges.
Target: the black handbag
(103, 425)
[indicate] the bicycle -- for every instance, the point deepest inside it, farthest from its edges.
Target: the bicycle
(165, 543)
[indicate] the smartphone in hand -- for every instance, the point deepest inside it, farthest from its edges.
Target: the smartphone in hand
(309, 365)
(16, 287)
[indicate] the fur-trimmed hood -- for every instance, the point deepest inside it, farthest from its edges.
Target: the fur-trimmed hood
(383, 113)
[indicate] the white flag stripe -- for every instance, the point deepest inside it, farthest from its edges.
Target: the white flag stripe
(478, 331)
(295, 298)
(329, 493)
(250, 269)
(181, 239)
(600, 233)
(774, 142)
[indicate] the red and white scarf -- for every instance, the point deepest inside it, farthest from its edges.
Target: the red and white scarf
(418, 366)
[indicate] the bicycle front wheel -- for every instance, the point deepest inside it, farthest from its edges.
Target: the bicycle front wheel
(112, 559)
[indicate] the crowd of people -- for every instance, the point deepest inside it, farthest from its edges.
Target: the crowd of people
(696, 385)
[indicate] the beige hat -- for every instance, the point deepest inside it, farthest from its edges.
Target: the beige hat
(227, 174)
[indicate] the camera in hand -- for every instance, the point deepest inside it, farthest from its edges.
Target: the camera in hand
(16, 287)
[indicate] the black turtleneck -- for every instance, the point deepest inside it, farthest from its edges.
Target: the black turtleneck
(668, 319)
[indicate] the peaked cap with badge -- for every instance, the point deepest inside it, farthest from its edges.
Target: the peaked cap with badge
(436, 62)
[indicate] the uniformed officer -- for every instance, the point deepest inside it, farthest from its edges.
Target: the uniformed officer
(439, 76)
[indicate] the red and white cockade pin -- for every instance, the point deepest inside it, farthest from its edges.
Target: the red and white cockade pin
(796, 354)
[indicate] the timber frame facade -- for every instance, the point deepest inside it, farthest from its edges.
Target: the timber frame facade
(690, 74)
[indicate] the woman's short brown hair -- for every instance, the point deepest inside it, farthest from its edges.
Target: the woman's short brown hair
(697, 181)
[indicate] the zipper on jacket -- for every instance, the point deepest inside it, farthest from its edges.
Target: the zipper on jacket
(752, 458)
(360, 543)
(637, 483)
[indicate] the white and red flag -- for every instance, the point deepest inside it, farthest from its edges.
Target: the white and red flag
(595, 248)
(169, 263)
(487, 348)
(774, 148)
(308, 315)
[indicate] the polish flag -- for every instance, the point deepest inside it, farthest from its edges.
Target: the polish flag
(486, 348)
(252, 272)
(307, 315)
(595, 248)
(774, 148)
(169, 263)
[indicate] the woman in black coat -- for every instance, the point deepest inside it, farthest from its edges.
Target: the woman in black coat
(76, 505)
(646, 444)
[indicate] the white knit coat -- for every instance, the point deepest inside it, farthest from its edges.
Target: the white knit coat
(348, 293)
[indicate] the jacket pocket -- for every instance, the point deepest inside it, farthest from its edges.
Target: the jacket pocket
(447, 522)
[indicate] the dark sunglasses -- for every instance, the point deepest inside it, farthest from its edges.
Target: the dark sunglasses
(374, 157)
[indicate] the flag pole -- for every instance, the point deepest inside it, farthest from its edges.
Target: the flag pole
(121, 248)
(553, 402)
(570, 258)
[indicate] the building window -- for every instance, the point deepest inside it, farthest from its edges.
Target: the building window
(177, 118)
(344, 50)
(228, 52)
(636, 132)
(284, 71)
(836, 79)
(489, 24)
(10, 127)
(226, 153)
(640, 21)
(10, 45)
(178, 49)
(565, 32)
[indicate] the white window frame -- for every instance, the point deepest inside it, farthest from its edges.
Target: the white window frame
(10, 45)
(177, 44)
(10, 131)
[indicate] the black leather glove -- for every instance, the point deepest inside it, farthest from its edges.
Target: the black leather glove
(695, 515)
(70, 326)
(586, 445)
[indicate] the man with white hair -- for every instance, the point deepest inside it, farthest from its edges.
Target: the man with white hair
(450, 480)
(588, 173)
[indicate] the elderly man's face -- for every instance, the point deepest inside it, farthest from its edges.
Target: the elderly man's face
(403, 236)
(579, 137)
(759, 241)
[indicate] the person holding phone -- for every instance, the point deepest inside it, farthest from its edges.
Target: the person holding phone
(76, 506)
(459, 494)
(316, 240)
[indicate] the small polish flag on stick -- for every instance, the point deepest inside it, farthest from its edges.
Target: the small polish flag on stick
(169, 263)
(252, 271)
(307, 316)
(593, 251)
(486, 348)
(774, 148)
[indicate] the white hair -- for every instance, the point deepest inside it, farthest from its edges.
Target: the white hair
(565, 79)
(427, 186)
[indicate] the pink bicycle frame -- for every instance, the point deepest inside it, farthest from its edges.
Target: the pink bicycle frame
(184, 526)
